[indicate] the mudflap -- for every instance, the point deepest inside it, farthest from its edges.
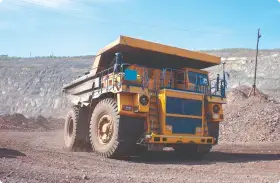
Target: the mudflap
(131, 129)
(213, 131)
(84, 115)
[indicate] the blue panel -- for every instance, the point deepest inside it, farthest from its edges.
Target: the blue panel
(183, 106)
(198, 78)
(130, 75)
(183, 125)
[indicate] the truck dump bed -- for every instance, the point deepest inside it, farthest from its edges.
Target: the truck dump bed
(147, 54)
(150, 54)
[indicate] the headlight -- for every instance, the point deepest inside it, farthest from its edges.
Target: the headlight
(168, 128)
(216, 108)
(144, 100)
(215, 116)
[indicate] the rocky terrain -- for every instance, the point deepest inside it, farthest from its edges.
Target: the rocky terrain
(32, 109)
(18, 122)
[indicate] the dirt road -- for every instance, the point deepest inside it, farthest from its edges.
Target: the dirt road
(39, 157)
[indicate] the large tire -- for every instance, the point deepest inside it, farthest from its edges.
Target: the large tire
(113, 135)
(76, 137)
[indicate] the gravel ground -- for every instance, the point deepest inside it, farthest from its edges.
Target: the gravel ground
(33, 152)
(39, 157)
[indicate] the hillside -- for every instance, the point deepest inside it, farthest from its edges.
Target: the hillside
(240, 64)
(33, 86)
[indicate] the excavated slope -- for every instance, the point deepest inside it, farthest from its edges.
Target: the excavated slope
(34, 86)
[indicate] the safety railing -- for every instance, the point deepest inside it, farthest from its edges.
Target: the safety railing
(108, 80)
(144, 76)
(218, 87)
(178, 79)
(166, 78)
(113, 77)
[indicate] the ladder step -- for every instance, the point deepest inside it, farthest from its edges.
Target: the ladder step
(155, 126)
(153, 115)
(153, 105)
(152, 119)
(153, 109)
(155, 122)
(156, 130)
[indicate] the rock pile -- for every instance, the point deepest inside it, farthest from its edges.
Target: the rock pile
(250, 119)
(18, 122)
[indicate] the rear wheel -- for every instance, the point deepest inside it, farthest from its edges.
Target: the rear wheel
(113, 135)
(76, 129)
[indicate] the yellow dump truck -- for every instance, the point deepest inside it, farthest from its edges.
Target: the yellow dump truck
(142, 96)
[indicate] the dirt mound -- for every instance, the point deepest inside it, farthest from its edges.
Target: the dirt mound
(242, 93)
(18, 122)
(250, 119)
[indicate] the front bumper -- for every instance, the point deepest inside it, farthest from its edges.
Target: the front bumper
(179, 139)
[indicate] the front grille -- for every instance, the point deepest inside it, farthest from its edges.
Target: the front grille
(189, 107)
(183, 125)
(183, 106)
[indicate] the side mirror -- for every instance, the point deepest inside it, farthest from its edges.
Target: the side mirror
(130, 75)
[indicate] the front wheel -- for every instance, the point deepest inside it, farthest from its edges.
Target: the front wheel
(113, 135)
(104, 126)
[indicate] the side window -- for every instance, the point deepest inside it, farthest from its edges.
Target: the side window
(180, 78)
(192, 77)
(197, 78)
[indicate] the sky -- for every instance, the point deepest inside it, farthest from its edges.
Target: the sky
(82, 27)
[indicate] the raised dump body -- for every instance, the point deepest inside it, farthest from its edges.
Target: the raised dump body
(141, 95)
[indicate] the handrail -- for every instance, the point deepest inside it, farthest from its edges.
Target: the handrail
(160, 79)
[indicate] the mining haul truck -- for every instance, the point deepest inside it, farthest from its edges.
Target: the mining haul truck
(142, 96)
